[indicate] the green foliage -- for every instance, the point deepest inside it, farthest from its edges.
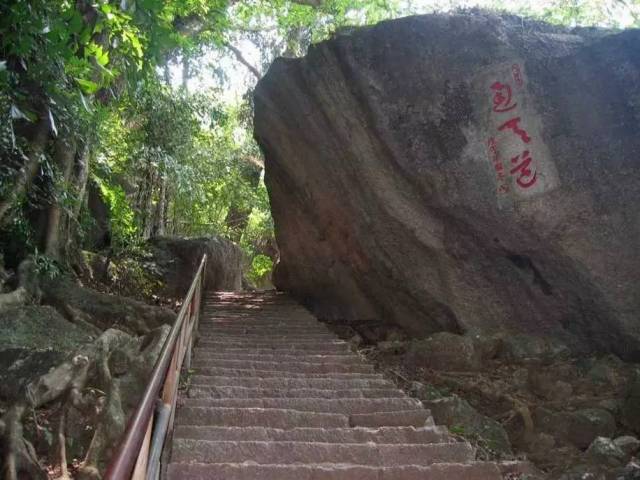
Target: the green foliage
(261, 267)
(124, 231)
(46, 266)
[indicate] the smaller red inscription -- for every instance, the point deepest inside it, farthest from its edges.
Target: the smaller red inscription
(514, 124)
(516, 71)
(494, 156)
(526, 178)
(502, 101)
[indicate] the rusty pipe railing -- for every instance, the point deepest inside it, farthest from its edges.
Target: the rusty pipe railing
(138, 454)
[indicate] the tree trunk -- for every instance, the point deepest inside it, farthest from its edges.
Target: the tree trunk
(64, 155)
(37, 138)
(161, 208)
(81, 177)
(144, 202)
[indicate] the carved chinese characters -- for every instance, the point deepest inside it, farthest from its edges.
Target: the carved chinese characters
(515, 148)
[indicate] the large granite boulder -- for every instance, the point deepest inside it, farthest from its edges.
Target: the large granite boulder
(465, 173)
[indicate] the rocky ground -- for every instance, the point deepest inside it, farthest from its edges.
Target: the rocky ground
(519, 397)
(77, 348)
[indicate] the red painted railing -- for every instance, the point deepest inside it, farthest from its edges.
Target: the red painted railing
(139, 451)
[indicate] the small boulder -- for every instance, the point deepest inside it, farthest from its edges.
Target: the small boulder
(356, 341)
(488, 346)
(628, 444)
(631, 471)
(579, 428)
(462, 418)
(604, 451)
(523, 348)
(425, 391)
(392, 347)
(444, 351)
(589, 423)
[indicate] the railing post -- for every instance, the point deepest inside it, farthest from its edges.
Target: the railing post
(140, 470)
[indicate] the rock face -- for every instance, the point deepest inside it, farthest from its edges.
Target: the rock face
(462, 173)
(178, 259)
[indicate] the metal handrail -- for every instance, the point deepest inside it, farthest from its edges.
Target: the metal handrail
(138, 454)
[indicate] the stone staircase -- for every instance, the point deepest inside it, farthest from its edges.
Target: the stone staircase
(276, 396)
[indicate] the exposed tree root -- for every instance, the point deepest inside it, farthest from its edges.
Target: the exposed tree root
(103, 382)
(86, 306)
(28, 288)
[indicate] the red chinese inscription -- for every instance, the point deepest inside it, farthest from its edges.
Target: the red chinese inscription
(502, 101)
(494, 156)
(514, 124)
(525, 176)
(523, 168)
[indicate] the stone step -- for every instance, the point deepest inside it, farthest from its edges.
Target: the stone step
(276, 314)
(286, 453)
(200, 371)
(330, 350)
(254, 324)
(203, 391)
(270, 315)
(331, 471)
(206, 356)
(258, 342)
(321, 405)
(287, 419)
(242, 337)
(248, 331)
(294, 382)
(325, 435)
(299, 366)
(259, 417)
(261, 323)
(406, 418)
(325, 349)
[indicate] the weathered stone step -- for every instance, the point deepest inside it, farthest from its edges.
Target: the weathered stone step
(240, 330)
(283, 453)
(287, 419)
(262, 324)
(289, 382)
(303, 337)
(300, 366)
(405, 418)
(325, 435)
(241, 342)
(325, 349)
(439, 471)
(281, 350)
(203, 391)
(206, 356)
(259, 417)
(275, 315)
(202, 371)
(322, 405)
